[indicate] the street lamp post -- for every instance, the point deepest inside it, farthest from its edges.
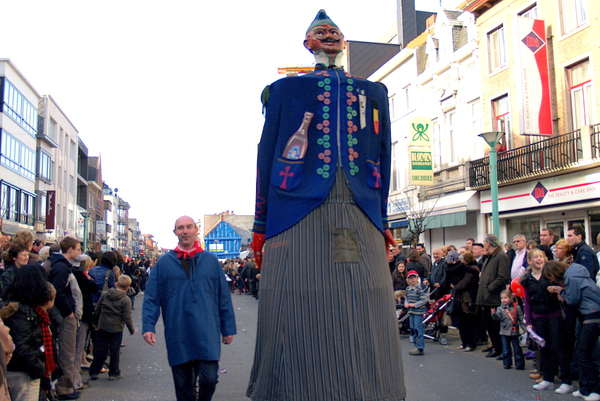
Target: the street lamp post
(85, 234)
(493, 139)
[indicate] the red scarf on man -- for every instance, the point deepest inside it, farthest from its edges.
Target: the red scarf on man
(188, 253)
(47, 337)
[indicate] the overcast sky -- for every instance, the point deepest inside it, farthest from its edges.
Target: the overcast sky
(169, 92)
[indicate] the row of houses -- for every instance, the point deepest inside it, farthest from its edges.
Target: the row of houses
(460, 73)
(49, 183)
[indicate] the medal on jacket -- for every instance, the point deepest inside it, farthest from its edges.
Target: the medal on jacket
(363, 110)
(376, 117)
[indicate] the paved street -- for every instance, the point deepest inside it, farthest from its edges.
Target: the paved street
(442, 373)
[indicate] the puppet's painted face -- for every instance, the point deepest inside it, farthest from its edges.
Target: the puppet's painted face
(325, 37)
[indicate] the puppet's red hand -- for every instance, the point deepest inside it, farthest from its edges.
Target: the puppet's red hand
(389, 239)
(389, 242)
(258, 240)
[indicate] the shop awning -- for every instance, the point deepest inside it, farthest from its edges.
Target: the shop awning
(451, 210)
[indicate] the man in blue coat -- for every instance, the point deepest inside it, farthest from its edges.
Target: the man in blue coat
(189, 286)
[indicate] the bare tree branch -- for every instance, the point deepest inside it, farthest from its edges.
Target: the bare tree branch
(420, 207)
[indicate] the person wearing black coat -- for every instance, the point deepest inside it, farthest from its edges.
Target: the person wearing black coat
(463, 279)
(29, 296)
(414, 263)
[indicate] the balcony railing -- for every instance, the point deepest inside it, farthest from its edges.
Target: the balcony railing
(539, 158)
(596, 141)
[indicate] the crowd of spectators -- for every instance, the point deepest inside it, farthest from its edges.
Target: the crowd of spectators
(243, 275)
(49, 320)
(546, 287)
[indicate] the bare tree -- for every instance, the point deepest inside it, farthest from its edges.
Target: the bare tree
(420, 206)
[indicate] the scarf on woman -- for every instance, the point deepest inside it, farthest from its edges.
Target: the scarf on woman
(47, 337)
(188, 253)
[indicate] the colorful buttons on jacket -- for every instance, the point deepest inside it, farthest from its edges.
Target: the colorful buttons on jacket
(346, 119)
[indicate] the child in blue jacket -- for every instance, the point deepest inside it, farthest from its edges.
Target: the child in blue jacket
(416, 303)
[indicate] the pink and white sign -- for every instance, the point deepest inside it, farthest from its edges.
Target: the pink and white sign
(558, 190)
(535, 112)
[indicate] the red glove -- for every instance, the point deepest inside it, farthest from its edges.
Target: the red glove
(258, 240)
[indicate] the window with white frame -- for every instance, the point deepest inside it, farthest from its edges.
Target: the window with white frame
(501, 116)
(580, 88)
(72, 185)
(392, 103)
(574, 14)
(41, 205)
(474, 110)
(531, 12)
(45, 166)
(17, 107)
(394, 181)
(16, 204)
(53, 130)
(437, 144)
(17, 156)
(73, 151)
(405, 95)
(496, 49)
(451, 140)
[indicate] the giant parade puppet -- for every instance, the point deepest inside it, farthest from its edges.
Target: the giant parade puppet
(327, 327)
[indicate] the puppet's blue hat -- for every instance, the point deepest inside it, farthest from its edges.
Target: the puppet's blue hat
(321, 19)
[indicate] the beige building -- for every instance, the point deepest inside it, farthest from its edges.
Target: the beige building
(57, 184)
(545, 181)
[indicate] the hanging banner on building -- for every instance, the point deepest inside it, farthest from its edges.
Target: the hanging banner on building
(50, 209)
(421, 167)
(533, 85)
(420, 132)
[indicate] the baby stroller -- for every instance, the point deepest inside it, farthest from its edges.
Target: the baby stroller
(433, 320)
(402, 315)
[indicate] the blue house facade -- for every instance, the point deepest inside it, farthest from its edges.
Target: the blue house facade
(224, 240)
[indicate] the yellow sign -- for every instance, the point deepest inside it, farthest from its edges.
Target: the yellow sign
(421, 167)
(420, 132)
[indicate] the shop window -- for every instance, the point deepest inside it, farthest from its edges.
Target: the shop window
(595, 231)
(528, 226)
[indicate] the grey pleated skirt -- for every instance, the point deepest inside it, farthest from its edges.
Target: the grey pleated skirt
(327, 326)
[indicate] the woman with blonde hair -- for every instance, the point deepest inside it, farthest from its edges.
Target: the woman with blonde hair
(543, 313)
(563, 251)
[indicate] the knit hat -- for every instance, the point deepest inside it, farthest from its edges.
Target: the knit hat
(452, 257)
(321, 19)
(412, 273)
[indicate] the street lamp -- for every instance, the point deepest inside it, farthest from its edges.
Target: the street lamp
(493, 139)
(85, 234)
